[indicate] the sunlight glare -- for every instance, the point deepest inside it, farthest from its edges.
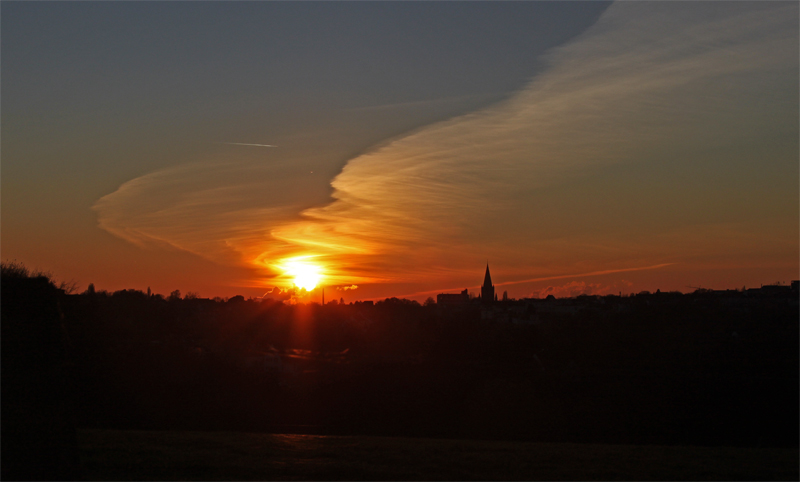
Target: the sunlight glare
(306, 275)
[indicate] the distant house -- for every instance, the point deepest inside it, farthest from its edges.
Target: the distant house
(453, 299)
(770, 291)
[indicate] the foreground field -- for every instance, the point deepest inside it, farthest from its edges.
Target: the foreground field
(144, 455)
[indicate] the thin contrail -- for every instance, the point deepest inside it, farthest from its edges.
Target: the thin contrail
(592, 273)
(245, 144)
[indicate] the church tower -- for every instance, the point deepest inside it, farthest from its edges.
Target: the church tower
(487, 290)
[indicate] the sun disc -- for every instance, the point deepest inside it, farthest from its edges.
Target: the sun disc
(306, 275)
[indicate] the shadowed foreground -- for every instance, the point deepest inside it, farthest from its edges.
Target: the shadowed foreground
(146, 455)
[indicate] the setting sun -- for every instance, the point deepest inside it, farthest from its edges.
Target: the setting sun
(306, 275)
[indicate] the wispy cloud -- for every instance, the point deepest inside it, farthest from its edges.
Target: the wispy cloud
(584, 170)
(221, 211)
(641, 89)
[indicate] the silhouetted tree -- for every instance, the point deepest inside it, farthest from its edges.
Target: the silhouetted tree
(38, 426)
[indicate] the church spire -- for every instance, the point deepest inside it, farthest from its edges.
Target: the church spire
(487, 290)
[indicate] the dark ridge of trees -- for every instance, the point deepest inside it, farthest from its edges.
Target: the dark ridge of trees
(657, 368)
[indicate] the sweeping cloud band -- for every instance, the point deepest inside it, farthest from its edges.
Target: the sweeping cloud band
(660, 135)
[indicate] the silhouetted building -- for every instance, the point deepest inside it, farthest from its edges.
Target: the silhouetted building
(446, 299)
(487, 290)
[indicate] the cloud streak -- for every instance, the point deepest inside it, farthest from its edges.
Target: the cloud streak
(246, 144)
(584, 275)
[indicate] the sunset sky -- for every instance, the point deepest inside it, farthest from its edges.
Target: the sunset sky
(214, 147)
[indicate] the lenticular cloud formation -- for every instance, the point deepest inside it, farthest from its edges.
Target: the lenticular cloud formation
(649, 139)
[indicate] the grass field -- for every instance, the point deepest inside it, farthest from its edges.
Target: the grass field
(144, 455)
